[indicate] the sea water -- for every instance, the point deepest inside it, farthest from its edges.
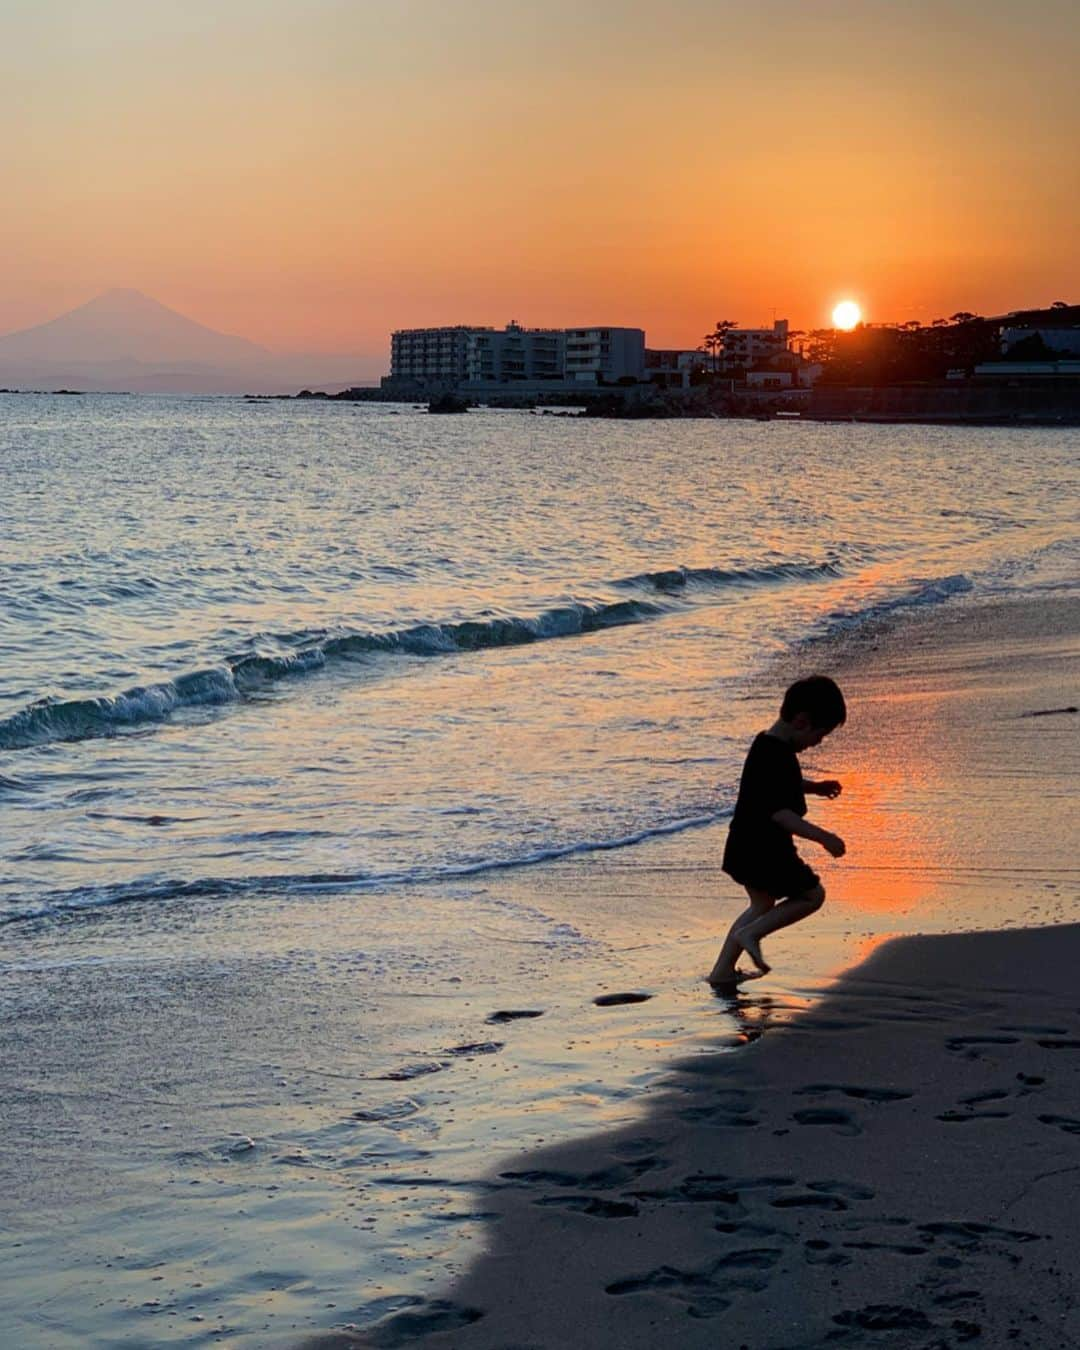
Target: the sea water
(270, 647)
(312, 716)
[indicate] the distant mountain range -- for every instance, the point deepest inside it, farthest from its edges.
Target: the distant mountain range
(123, 340)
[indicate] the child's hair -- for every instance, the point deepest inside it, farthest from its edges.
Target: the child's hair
(819, 698)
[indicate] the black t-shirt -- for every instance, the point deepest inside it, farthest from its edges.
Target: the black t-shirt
(771, 780)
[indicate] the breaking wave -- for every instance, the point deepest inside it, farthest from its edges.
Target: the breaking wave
(54, 719)
(918, 595)
(83, 898)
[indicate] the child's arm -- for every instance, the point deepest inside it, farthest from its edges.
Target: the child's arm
(828, 788)
(794, 824)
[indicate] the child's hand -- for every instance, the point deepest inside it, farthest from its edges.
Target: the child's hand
(832, 843)
(830, 788)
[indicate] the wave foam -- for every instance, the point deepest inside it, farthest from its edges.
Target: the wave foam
(48, 720)
(677, 579)
(921, 593)
(82, 898)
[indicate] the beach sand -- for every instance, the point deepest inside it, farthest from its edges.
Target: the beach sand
(898, 1162)
(246, 1124)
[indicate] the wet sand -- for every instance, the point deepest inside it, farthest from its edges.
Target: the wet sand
(904, 1159)
(269, 1130)
(898, 1163)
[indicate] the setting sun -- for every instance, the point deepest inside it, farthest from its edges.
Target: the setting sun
(846, 315)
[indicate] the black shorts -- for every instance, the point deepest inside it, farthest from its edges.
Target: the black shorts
(781, 878)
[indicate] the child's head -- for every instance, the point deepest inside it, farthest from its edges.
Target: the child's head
(813, 707)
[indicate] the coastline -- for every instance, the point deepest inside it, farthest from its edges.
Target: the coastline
(898, 1160)
(207, 1151)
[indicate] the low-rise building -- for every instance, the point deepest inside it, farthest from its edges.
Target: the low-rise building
(672, 368)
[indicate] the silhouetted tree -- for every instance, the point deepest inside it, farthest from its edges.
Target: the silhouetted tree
(899, 353)
(720, 333)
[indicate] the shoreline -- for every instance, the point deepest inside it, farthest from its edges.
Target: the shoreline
(901, 1159)
(209, 1139)
(897, 1158)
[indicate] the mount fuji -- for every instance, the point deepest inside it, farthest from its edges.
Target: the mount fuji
(125, 341)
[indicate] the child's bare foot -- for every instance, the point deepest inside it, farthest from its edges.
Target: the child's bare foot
(727, 979)
(752, 948)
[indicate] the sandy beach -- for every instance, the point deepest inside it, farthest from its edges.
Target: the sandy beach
(895, 1163)
(234, 1143)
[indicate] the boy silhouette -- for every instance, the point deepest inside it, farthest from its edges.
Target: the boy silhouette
(760, 852)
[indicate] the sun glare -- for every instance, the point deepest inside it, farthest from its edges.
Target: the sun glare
(846, 315)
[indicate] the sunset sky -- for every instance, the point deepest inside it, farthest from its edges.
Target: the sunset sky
(313, 173)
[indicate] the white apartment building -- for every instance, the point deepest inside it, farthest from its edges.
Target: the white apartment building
(745, 346)
(517, 355)
(431, 353)
(595, 355)
(514, 354)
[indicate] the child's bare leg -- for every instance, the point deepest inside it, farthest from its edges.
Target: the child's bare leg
(779, 916)
(723, 972)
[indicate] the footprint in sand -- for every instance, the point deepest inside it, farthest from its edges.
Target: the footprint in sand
(704, 1290)
(863, 1094)
(822, 1115)
(896, 1247)
(591, 1205)
(965, 1234)
(438, 1315)
(818, 1252)
(717, 1189)
(604, 1179)
(808, 1202)
(962, 1117)
(614, 1000)
(1066, 1123)
(966, 1045)
(884, 1317)
(1038, 1031)
(409, 1071)
(996, 1096)
(849, 1190)
(512, 1015)
(390, 1111)
(634, 1149)
(824, 1195)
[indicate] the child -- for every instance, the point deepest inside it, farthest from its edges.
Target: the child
(760, 852)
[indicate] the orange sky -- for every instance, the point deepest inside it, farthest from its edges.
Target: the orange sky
(313, 173)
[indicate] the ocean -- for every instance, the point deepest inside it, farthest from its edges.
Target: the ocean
(295, 699)
(272, 648)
